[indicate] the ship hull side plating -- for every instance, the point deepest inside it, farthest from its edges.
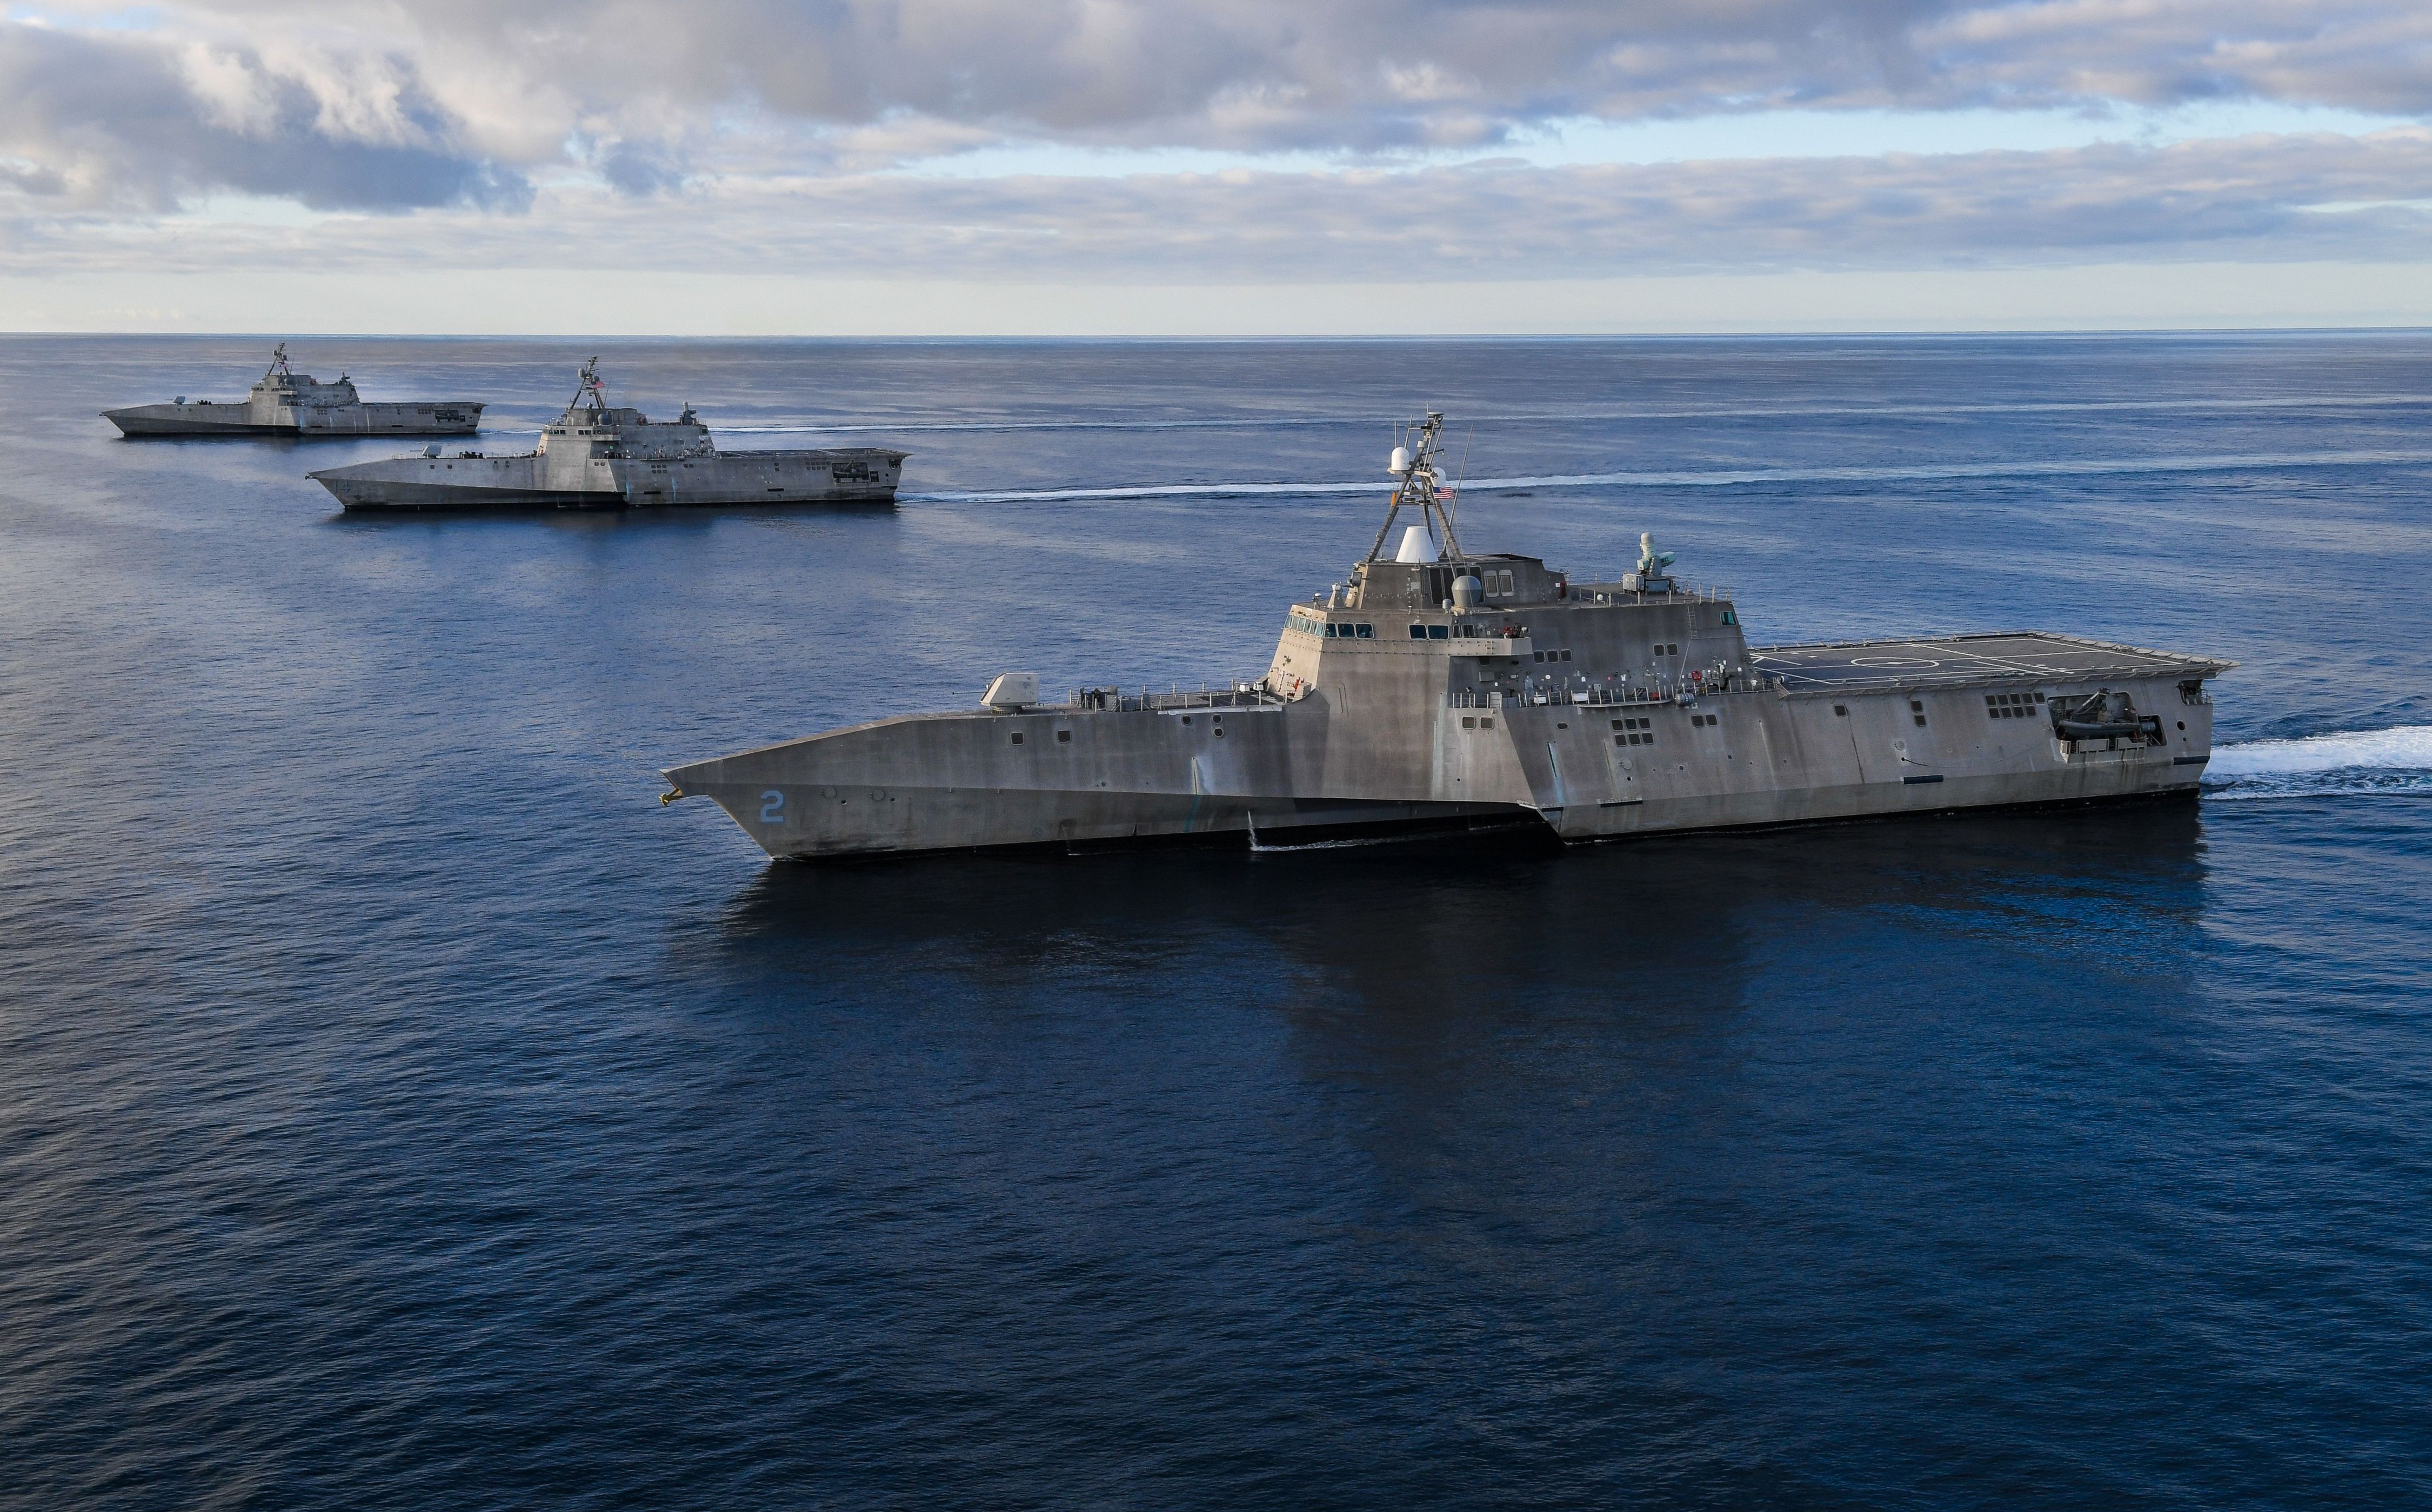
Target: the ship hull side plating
(1374, 763)
(461, 418)
(545, 481)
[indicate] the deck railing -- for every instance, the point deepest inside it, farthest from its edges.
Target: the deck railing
(1243, 695)
(1611, 591)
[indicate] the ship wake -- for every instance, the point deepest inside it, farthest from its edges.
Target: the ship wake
(2363, 762)
(1730, 478)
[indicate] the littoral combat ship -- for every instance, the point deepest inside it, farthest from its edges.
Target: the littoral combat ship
(288, 403)
(595, 457)
(1441, 689)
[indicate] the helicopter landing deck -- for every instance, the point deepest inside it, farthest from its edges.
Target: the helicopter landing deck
(1963, 659)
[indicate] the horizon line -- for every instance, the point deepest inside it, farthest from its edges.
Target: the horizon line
(2046, 333)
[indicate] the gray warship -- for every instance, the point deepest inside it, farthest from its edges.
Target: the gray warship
(597, 456)
(288, 403)
(1439, 689)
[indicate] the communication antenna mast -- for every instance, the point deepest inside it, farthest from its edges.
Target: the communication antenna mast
(1420, 486)
(590, 385)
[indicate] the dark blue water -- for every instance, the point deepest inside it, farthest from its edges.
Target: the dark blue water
(399, 1108)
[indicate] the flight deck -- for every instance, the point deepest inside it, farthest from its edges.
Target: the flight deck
(1959, 659)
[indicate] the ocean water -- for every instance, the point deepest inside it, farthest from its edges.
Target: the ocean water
(399, 1107)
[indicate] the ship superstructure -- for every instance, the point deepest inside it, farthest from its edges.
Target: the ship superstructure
(1441, 688)
(287, 403)
(602, 456)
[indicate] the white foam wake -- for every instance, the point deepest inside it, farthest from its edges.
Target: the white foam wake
(2053, 468)
(2362, 761)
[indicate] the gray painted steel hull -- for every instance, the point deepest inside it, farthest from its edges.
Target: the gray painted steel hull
(1345, 760)
(724, 479)
(463, 418)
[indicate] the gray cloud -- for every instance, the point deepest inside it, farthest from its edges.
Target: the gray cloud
(1385, 74)
(130, 121)
(1363, 75)
(769, 117)
(2255, 199)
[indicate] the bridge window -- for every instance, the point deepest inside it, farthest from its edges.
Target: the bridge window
(1367, 633)
(1439, 633)
(1418, 633)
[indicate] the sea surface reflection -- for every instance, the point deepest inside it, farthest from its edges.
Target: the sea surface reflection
(399, 1107)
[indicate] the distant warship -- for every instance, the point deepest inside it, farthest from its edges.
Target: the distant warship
(1443, 690)
(288, 403)
(598, 457)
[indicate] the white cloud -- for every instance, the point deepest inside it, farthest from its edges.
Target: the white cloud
(2260, 198)
(754, 138)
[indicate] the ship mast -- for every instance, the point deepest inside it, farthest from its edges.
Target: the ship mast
(589, 383)
(1421, 488)
(277, 364)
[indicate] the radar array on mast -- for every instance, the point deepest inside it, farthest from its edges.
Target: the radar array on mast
(1421, 487)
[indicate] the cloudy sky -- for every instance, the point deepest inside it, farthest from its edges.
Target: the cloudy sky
(1109, 166)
